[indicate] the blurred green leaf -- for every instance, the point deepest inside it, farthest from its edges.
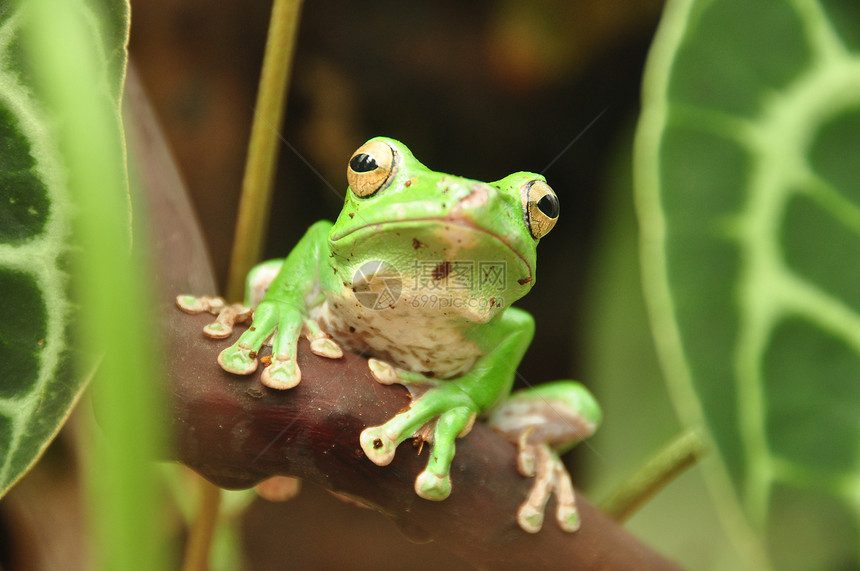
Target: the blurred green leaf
(749, 202)
(81, 83)
(39, 384)
(621, 367)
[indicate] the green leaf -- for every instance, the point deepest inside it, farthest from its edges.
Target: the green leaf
(39, 383)
(749, 201)
(620, 365)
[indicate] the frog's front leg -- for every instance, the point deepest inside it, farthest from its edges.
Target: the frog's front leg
(283, 312)
(455, 403)
(545, 421)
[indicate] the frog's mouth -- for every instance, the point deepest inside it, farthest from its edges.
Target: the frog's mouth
(406, 225)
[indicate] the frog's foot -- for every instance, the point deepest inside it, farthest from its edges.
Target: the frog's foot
(550, 477)
(321, 343)
(449, 411)
(239, 360)
(227, 315)
(281, 374)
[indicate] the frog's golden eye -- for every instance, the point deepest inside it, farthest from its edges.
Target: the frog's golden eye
(371, 168)
(540, 207)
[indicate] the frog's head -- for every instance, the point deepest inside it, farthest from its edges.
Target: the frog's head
(435, 229)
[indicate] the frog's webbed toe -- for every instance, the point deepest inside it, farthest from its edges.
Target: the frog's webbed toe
(384, 372)
(227, 318)
(193, 305)
(526, 454)
(227, 315)
(530, 517)
(281, 374)
(566, 513)
(435, 487)
(387, 374)
(531, 512)
(238, 360)
(321, 343)
(326, 347)
(378, 445)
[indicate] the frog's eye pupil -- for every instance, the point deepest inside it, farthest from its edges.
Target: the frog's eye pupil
(548, 204)
(540, 207)
(363, 162)
(371, 168)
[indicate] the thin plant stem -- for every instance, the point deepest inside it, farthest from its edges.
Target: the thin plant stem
(668, 464)
(252, 218)
(254, 203)
(200, 539)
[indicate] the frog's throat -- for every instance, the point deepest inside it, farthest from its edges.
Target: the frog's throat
(375, 227)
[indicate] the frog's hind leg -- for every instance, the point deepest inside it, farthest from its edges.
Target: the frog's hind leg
(544, 421)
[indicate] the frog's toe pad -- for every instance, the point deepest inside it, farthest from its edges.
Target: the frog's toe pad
(568, 518)
(325, 347)
(217, 330)
(237, 360)
(198, 304)
(383, 372)
(433, 486)
(530, 518)
(377, 445)
(281, 374)
(278, 488)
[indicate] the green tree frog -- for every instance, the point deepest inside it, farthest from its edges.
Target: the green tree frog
(419, 272)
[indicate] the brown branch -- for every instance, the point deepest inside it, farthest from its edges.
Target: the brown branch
(235, 432)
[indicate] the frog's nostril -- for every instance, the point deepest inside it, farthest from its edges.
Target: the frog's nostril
(475, 199)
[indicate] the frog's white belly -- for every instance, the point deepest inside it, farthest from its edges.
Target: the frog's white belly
(428, 340)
